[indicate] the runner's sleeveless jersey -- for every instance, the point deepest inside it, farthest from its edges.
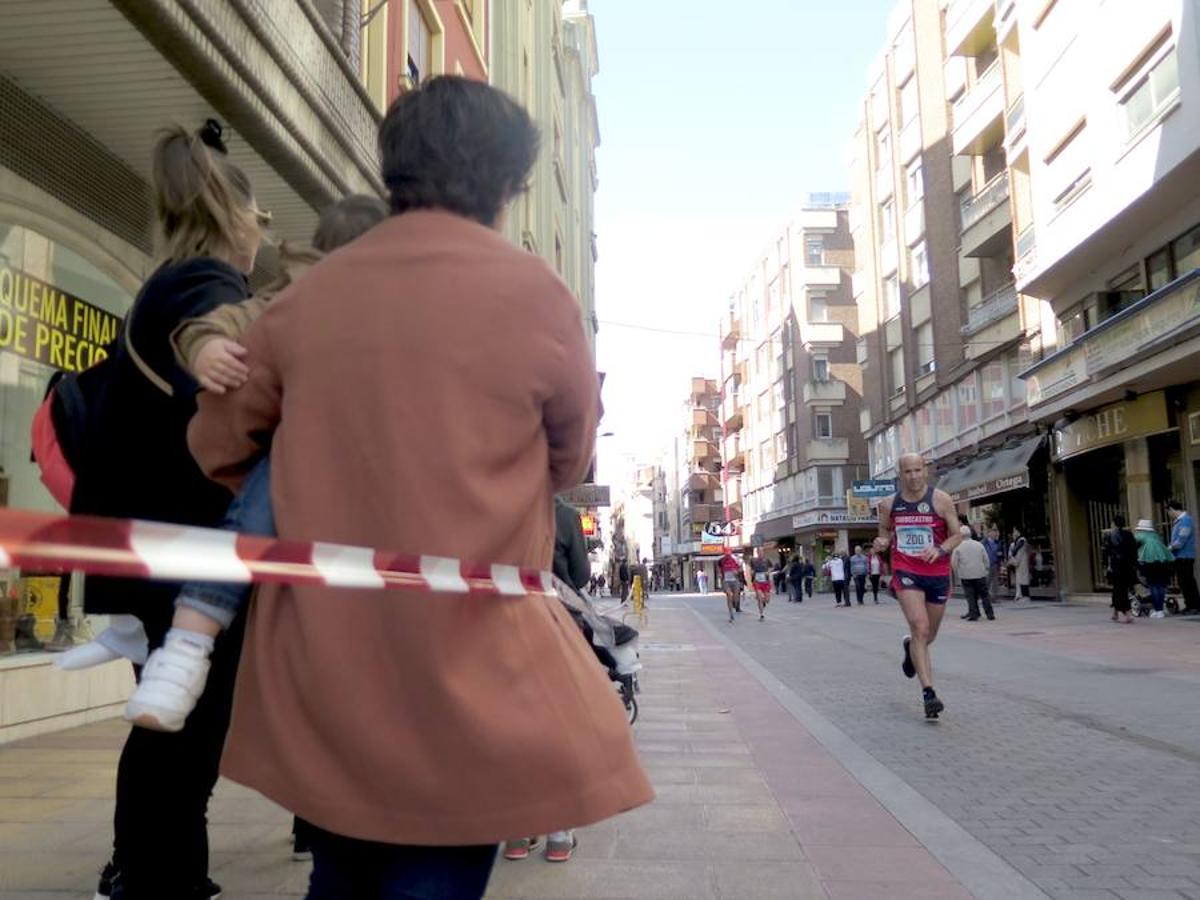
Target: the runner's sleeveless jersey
(916, 527)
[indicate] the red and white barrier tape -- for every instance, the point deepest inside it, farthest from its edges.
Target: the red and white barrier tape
(136, 549)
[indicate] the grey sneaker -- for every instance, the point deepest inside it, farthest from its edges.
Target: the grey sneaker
(561, 846)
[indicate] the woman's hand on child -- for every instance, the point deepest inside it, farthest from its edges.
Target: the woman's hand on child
(219, 365)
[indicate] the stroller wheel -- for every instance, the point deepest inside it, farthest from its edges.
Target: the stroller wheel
(1172, 606)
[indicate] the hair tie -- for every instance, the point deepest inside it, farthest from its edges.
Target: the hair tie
(210, 135)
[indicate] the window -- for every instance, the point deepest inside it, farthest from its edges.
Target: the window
(777, 395)
(814, 251)
(887, 221)
(823, 425)
(781, 446)
(926, 436)
(1151, 88)
(420, 46)
(1158, 269)
(818, 310)
(943, 414)
(914, 180)
(923, 336)
(896, 365)
(1070, 170)
(891, 296)
(909, 106)
(772, 298)
(1186, 252)
(993, 390)
(820, 368)
(829, 484)
(764, 406)
(883, 144)
(1072, 325)
(968, 402)
(920, 266)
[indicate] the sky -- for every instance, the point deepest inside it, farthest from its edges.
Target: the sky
(717, 119)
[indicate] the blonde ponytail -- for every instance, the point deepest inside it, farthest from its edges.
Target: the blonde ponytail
(203, 202)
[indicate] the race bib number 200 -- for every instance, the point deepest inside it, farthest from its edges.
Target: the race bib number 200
(913, 540)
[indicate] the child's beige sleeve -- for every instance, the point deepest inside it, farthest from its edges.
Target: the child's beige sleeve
(228, 321)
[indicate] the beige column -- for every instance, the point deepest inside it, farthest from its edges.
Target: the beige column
(1138, 497)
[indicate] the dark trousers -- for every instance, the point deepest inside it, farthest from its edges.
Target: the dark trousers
(1121, 586)
(976, 590)
(839, 590)
(1185, 574)
(164, 781)
(860, 588)
(797, 589)
(875, 587)
(808, 585)
(349, 869)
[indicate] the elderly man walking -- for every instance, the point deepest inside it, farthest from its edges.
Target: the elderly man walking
(971, 563)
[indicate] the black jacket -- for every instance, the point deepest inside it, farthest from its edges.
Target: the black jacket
(137, 463)
(570, 549)
(1121, 552)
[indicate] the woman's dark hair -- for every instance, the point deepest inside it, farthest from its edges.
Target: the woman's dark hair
(346, 220)
(457, 145)
(1119, 520)
(1175, 505)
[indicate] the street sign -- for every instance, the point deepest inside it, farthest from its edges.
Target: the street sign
(588, 495)
(875, 487)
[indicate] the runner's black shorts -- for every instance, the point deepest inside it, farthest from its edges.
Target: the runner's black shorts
(935, 587)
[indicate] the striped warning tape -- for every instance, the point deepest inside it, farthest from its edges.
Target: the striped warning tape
(136, 549)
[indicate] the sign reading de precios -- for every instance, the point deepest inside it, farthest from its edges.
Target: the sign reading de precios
(40, 322)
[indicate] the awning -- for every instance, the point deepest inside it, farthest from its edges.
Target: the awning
(1006, 469)
(774, 529)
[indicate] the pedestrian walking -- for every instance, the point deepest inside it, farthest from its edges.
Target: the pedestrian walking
(702, 579)
(795, 580)
(1120, 551)
(835, 568)
(210, 230)
(1183, 547)
(1155, 562)
(876, 573)
(920, 527)
(810, 575)
(970, 562)
(995, 552)
(408, 748)
(1018, 564)
(760, 573)
(860, 567)
(623, 577)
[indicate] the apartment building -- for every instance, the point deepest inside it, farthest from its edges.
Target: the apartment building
(692, 488)
(937, 183)
(544, 53)
(792, 390)
(1109, 244)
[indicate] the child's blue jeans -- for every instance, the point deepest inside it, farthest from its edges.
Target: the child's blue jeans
(249, 513)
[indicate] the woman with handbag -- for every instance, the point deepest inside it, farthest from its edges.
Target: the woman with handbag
(138, 465)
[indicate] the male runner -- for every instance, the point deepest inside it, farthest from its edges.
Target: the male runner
(731, 582)
(920, 525)
(760, 578)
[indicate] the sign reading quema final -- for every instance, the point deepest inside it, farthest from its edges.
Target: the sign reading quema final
(40, 322)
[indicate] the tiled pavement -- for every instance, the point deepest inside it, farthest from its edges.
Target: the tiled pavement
(752, 802)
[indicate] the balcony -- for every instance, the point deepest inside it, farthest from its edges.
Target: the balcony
(979, 115)
(735, 455)
(969, 27)
(731, 331)
(702, 418)
(822, 276)
(1026, 262)
(822, 335)
(1006, 19)
(698, 482)
(827, 450)
(703, 512)
(703, 450)
(889, 257)
(987, 220)
(996, 306)
(910, 141)
(824, 393)
(731, 412)
(702, 390)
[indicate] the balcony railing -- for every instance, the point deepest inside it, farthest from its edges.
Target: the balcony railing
(993, 308)
(979, 205)
(970, 102)
(1014, 119)
(1026, 254)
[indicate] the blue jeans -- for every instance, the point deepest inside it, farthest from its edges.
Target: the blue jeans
(249, 513)
(350, 869)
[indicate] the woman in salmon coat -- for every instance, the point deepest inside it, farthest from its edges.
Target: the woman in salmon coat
(427, 390)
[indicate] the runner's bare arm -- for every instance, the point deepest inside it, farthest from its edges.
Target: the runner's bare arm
(884, 540)
(944, 507)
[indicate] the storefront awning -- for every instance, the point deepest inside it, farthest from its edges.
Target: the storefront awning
(774, 529)
(1006, 469)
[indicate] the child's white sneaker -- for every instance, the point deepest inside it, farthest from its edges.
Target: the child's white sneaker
(172, 681)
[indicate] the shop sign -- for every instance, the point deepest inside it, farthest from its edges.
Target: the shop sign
(587, 495)
(1113, 425)
(588, 523)
(875, 487)
(1119, 342)
(42, 323)
(827, 517)
(992, 486)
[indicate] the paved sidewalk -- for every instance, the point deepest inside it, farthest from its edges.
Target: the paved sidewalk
(750, 805)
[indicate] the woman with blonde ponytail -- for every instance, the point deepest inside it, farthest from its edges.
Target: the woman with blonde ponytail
(138, 466)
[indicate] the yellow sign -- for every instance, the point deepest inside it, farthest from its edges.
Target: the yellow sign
(1113, 424)
(42, 323)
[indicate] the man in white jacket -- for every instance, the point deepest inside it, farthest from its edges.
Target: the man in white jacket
(971, 563)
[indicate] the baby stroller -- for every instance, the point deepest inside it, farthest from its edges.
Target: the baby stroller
(614, 643)
(1139, 600)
